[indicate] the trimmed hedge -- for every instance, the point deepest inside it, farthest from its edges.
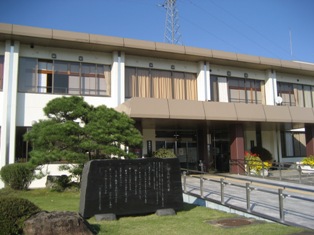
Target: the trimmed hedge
(13, 213)
(17, 175)
(164, 153)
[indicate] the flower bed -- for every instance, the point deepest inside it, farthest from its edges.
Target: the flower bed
(307, 165)
(254, 164)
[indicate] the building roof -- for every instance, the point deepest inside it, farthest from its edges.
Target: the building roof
(100, 43)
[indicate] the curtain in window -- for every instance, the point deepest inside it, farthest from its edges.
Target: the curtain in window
(191, 86)
(179, 86)
(140, 82)
(162, 84)
(88, 79)
(237, 90)
(130, 82)
(307, 96)
(144, 83)
(298, 95)
(288, 93)
(250, 91)
(104, 75)
(74, 78)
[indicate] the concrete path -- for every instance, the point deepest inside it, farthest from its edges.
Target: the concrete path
(264, 196)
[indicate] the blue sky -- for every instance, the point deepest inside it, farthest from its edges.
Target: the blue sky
(281, 29)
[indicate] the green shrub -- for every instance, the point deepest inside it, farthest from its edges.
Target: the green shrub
(164, 153)
(13, 213)
(59, 183)
(17, 175)
(263, 154)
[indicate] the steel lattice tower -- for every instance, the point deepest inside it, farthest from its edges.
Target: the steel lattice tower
(172, 33)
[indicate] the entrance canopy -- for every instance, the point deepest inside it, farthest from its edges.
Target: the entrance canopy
(214, 111)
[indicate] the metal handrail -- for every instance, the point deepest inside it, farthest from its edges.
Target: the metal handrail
(301, 175)
(249, 188)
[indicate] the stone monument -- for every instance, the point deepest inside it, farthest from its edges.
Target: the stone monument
(130, 187)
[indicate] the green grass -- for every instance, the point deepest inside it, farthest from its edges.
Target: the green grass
(191, 220)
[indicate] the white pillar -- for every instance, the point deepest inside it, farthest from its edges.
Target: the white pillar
(223, 89)
(203, 81)
(270, 87)
(9, 103)
(117, 78)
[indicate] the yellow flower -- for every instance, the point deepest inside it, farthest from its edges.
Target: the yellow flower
(308, 161)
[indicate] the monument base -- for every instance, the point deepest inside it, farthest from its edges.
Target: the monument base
(107, 217)
(165, 212)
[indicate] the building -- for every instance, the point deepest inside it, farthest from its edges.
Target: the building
(206, 105)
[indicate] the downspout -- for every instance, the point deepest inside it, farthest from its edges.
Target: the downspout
(119, 77)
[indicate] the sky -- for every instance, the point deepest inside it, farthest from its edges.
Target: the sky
(282, 29)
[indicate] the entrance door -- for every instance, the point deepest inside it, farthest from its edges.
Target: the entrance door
(221, 150)
(183, 144)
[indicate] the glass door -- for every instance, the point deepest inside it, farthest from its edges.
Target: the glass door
(183, 144)
(221, 150)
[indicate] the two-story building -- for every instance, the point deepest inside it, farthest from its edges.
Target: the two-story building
(203, 104)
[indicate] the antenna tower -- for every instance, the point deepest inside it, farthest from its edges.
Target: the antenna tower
(172, 34)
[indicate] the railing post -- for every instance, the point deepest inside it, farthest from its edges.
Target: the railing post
(263, 170)
(248, 197)
(222, 191)
(281, 210)
(248, 167)
(201, 166)
(184, 181)
(300, 174)
(280, 173)
(201, 186)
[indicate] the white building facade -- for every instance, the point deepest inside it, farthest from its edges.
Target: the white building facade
(203, 104)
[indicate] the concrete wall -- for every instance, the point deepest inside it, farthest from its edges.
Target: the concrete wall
(48, 169)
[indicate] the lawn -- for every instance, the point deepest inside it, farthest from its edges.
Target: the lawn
(191, 220)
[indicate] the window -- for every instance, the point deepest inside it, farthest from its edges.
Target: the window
(244, 90)
(285, 91)
(44, 80)
(293, 144)
(141, 82)
(214, 88)
(63, 77)
(296, 94)
(1, 71)
(22, 148)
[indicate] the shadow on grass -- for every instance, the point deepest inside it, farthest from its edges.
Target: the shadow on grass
(95, 228)
(188, 207)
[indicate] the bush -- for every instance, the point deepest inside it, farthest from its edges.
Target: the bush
(17, 175)
(263, 154)
(13, 213)
(58, 183)
(255, 163)
(164, 153)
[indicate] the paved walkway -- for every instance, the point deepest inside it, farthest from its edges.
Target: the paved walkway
(264, 195)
